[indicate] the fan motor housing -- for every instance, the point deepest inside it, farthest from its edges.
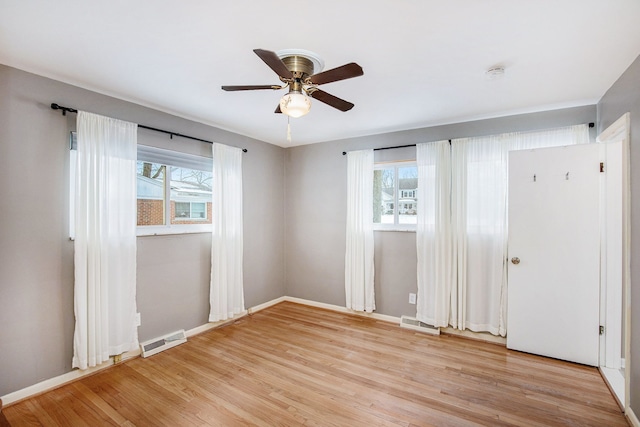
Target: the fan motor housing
(299, 65)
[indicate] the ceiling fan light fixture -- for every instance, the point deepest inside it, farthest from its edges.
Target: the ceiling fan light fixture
(295, 104)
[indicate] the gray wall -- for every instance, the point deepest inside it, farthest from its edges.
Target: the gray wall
(316, 209)
(36, 256)
(621, 98)
(294, 218)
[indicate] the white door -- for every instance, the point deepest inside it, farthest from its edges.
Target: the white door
(554, 252)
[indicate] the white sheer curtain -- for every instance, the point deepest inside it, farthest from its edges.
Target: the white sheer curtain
(226, 292)
(479, 220)
(433, 233)
(359, 267)
(479, 217)
(105, 240)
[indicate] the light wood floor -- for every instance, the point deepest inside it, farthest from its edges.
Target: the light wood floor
(296, 365)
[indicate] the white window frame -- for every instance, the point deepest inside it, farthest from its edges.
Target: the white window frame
(154, 155)
(396, 182)
(170, 159)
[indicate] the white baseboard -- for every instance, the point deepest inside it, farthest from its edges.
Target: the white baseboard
(76, 374)
(615, 381)
(481, 336)
(51, 383)
(267, 304)
(341, 309)
(631, 416)
(212, 325)
(61, 380)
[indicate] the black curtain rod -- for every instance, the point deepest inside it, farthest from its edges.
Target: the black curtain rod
(387, 148)
(66, 110)
(413, 145)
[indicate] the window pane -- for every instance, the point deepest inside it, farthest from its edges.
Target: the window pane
(190, 196)
(198, 210)
(150, 188)
(182, 210)
(407, 201)
(383, 195)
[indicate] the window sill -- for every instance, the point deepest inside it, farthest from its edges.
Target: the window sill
(160, 230)
(402, 229)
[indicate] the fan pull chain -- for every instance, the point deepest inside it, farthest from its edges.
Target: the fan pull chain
(288, 129)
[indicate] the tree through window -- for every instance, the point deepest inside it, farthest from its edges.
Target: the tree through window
(394, 194)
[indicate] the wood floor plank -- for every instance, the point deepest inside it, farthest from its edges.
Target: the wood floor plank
(297, 365)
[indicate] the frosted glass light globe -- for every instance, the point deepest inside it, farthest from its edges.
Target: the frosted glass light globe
(295, 104)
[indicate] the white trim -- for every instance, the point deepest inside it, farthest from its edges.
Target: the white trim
(129, 355)
(52, 383)
(260, 307)
(620, 130)
(174, 158)
(616, 129)
(396, 226)
(61, 380)
(481, 336)
(615, 381)
(212, 325)
(341, 309)
(162, 230)
(631, 416)
(76, 374)
(406, 228)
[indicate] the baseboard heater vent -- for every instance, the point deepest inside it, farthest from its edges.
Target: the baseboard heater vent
(157, 345)
(416, 325)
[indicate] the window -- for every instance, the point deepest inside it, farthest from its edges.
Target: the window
(395, 205)
(174, 192)
(190, 210)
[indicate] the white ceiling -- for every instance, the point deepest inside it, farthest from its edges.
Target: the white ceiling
(424, 61)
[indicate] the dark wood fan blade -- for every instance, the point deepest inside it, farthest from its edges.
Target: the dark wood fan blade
(335, 74)
(331, 100)
(254, 87)
(278, 110)
(271, 59)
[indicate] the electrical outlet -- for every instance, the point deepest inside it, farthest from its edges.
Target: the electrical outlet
(412, 298)
(138, 319)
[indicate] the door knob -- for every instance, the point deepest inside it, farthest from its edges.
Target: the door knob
(515, 260)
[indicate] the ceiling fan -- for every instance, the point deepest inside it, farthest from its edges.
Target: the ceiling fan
(296, 69)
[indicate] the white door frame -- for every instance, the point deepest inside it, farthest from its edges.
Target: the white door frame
(619, 131)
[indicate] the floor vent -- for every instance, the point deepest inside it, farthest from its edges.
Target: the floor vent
(416, 325)
(157, 345)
